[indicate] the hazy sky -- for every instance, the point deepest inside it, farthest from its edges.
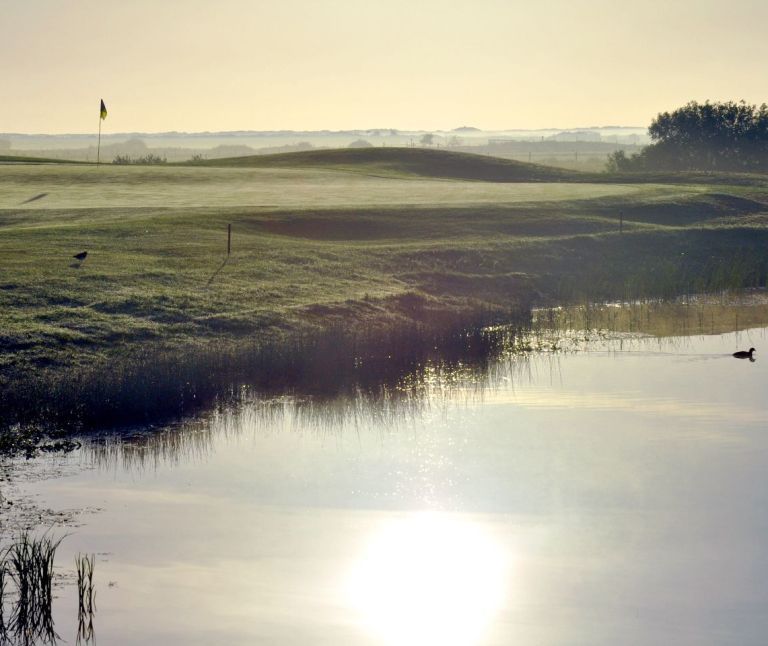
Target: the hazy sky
(413, 64)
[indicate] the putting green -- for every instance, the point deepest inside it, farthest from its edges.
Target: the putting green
(116, 186)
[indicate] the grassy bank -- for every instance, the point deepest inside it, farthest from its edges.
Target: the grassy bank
(392, 245)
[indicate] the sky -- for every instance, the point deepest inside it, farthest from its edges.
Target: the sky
(197, 65)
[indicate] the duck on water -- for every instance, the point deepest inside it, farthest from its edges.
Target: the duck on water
(741, 354)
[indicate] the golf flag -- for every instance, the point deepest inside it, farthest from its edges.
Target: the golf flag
(103, 112)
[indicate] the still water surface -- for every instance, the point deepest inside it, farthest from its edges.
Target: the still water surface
(615, 495)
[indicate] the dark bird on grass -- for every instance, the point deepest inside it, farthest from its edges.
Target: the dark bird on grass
(80, 256)
(741, 354)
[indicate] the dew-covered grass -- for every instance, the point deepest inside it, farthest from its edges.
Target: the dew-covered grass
(324, 246)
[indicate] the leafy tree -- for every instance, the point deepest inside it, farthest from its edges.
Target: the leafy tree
(618, 162)
(427, 139)
(704, 136)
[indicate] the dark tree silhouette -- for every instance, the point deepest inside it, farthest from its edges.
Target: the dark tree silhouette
(704, 136)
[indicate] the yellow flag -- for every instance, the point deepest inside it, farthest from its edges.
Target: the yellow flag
(103, 113)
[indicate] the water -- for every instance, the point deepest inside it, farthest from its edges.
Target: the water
(613, 495)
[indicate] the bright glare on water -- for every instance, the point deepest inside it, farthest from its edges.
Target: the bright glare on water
(613, 495)
(429, 579)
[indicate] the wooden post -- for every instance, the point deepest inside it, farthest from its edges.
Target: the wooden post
(229, 239)
(98, 145)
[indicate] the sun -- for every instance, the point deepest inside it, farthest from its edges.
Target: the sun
(429, 579)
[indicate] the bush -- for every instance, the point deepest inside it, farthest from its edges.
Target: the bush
(148, 159)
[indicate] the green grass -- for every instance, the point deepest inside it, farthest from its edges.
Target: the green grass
(442, 164)
(28, 159)
(405, 162)
(280, 188)
(315, 245)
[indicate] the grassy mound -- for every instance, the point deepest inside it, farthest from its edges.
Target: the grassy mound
(16, 159)
(408, 162)
(314, 250)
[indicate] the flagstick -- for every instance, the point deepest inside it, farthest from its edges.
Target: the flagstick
(98, 146)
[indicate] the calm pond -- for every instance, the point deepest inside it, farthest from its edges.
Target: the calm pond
(614, 491)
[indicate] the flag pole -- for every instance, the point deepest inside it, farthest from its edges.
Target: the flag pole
(98, 145)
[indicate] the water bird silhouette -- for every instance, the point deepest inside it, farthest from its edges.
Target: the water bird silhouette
(741, 354)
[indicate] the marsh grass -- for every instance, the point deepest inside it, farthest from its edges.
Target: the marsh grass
(28, 565)
(3, 594)
(691, 314)
(86, 597)
(157, 387)
(410, 251)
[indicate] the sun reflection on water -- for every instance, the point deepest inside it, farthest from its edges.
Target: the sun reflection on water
(429, 579)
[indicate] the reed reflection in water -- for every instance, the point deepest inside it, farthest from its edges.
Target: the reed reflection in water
(407, 392)
(609, 492)
(427, 390)
(27, 581)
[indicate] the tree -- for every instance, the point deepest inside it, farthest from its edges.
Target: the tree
(618, 162)
(705, 136)
(427, 139)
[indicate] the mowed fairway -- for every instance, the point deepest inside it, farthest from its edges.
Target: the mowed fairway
(310, 246)
(108, 186)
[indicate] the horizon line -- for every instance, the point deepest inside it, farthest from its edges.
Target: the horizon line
(319, 131)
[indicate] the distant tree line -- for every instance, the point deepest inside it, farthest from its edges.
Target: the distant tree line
(703, 136)
(149, 158)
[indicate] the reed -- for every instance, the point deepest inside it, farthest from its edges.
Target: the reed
(29, 566)
(158, 387)
(3, 590)
(86, 597)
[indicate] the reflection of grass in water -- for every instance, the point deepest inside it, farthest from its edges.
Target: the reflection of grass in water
(26, 588)
(159, 388)
(86, 597)
(695, 314)
(28, 564)
(372, 388)
(385, 401)
(3, 590)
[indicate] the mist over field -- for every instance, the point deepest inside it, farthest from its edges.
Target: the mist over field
(577, 148)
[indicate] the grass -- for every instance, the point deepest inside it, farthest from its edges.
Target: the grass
(28, 563)
(26, 588)
(405, 162)
(364, 240)
(86, 597)
(158, 387)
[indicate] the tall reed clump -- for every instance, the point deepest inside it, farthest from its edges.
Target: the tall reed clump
(161, 386)
(28, 563)
(3, 584)
(86, 597)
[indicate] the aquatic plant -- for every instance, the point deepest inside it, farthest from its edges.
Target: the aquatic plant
(86, 597)
(162, 386)
(29, 565)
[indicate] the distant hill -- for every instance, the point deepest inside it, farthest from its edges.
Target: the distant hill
(16, 159)
(413, 162)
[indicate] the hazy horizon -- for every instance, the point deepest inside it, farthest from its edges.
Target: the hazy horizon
(197, 66)
(319, 131)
